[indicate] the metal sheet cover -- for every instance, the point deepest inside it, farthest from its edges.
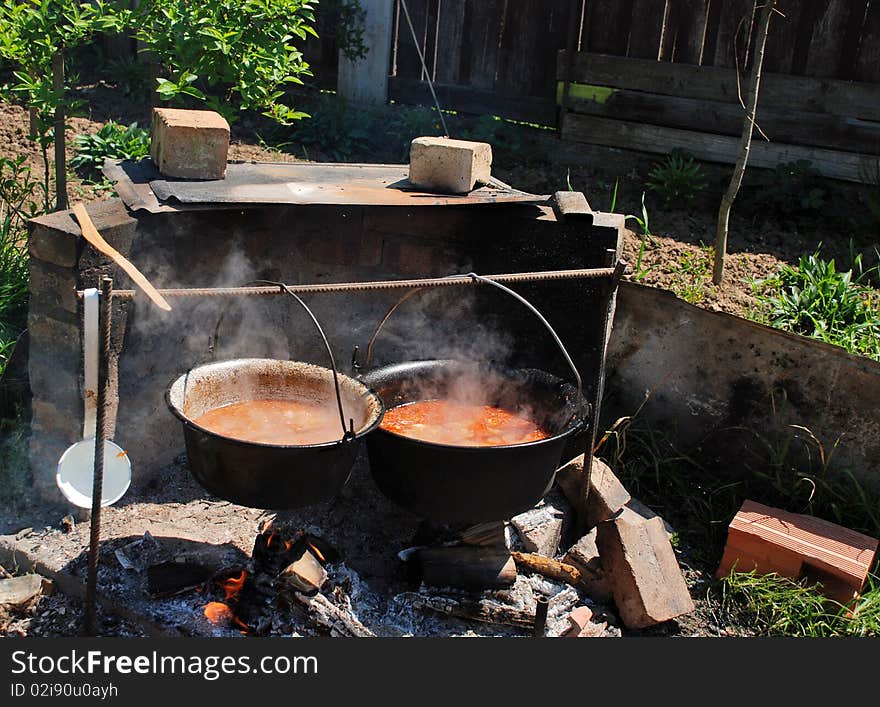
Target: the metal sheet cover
(141, 187)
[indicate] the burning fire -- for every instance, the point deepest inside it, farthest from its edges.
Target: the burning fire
(233, 585)
(220, 613)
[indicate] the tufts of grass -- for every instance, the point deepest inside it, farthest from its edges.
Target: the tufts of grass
(785, 466)
(783, 607)
(693, 274)
(679, 180)
(816, 299)
(15, 479)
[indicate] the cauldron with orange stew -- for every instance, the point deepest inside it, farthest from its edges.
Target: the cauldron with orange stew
(468, 443)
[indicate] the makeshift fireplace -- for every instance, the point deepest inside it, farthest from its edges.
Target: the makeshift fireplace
(376, 243)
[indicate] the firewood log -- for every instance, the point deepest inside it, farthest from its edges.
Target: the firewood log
(552, 569)
(485, 611)
(324, 613)
(467, 567)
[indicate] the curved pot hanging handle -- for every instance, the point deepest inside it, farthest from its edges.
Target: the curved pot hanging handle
(348, 432)
(488, 281)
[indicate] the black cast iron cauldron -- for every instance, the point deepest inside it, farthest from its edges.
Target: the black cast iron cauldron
(272, 476)
(451, 484)
(459, 484)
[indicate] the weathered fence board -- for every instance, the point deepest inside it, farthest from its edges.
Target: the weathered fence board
(846, 98)
(848, 166)
(779, 125)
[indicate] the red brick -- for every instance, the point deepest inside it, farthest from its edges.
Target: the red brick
(793, 545)
(645, 578)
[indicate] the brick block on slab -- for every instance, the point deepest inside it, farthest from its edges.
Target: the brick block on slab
(449, 166)
(540, 529)
(767, 539)
(584, 556)
(645, 578)
(189, 144)
(606, 496)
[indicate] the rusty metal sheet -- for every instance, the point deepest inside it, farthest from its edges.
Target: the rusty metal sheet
(140, 186)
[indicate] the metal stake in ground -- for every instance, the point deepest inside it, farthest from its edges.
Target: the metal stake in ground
(100, 437)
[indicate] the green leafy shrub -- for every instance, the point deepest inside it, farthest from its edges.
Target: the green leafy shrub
(692, 275)
(335, 128)
(128, 75)
(499, 133)
(20, 199)
(230, 54)
(791, 189)
(678, 180)
(817, 300)
(113, 141)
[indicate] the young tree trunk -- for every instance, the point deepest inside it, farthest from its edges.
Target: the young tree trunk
(745, 142)
(60, 143)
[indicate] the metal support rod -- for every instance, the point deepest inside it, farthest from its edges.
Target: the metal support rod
(378, 285)
(100, 436)
(620, 269)
(542, 604)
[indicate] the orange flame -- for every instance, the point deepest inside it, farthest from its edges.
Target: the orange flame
(233, 585)
(317, 553)
(219, 613)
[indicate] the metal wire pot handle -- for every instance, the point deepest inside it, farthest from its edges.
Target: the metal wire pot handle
(348, 432)
(488, 281)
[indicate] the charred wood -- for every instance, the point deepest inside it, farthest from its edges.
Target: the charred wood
(485, 611)
(467, 567)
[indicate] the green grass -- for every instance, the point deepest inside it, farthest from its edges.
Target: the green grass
(693, 274)
(784, 466)
(782, 607)
(816, 299)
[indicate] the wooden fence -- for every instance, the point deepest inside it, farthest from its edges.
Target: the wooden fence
(665, 71)
(676, 87)
(485, 56)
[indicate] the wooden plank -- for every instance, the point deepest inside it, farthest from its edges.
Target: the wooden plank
(828, 34)
(867, 65)
(781, 39)
(646, 21)
(711, 148)
(533, 33)
(710, 42)
(858, 100)
(780, 125)
(734, 30)
(690, 31)
(480, 35)
(407, 61)
(449, 41)
(606, 26)
(846, 68)
(536, 109)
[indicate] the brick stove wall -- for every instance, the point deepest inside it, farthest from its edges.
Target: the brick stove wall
(292, 244)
